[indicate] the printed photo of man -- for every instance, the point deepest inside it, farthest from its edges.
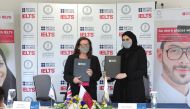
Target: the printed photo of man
(173, 79)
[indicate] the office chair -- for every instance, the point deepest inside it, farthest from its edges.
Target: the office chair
(42, 84)
(147, 89)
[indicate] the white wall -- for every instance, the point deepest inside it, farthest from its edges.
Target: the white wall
(14, 5)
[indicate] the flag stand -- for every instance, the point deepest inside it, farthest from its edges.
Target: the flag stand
(105, 99)
(51, 106)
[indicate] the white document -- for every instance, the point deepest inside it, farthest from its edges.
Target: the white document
(21, 105)
(127, 106)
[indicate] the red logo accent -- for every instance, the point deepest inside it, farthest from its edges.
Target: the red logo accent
(6, 36)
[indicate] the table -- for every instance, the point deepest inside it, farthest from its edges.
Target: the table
(159, 105)
(46, 105)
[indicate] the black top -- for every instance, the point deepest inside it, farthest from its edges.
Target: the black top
(134, 64)
(68, 75)
(9, 83)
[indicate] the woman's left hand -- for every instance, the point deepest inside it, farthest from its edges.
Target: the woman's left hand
(89, 72)
(121, 76)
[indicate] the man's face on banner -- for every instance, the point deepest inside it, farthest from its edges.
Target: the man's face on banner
(176, 61)
(3, 71)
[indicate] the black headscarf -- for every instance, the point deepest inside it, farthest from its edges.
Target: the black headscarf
(133, 37)
(125, 53)
(128, 51)
(10, 80)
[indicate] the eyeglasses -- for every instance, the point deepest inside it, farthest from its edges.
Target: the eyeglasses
(176, 53)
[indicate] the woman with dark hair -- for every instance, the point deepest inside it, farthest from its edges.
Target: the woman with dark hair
(7, 79)
(83, 50)
(129, 86)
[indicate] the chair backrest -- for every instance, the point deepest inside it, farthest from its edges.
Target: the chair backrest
(147, 89)
(42, 84)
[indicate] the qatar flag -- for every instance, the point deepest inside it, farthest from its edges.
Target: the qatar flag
(85, 96)
(69, 93)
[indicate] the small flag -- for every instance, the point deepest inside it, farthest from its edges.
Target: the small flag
(85, 96)
(106, 93)
(69, 93)
(51, 92)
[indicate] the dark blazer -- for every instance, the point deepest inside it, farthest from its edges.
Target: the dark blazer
(134, 64)
(9, 83)
(68, 75)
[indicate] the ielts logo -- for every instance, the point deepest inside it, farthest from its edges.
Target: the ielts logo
(67, 11)
(146, 46)
(147, 9)
(28, 46)
(47, 64)
(101, 82)
(186, 13)
(47, 28)
(67, 46)
(102, 46)
(62, 82)
(125, 28)
(25, 83)
(106, 10)
(28, 9)
(86, 28)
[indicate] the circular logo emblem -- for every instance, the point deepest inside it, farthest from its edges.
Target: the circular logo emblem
(87, 10)
(47, 45)
(28, 27)
(145, 27)
(28, 64)
(106, 28)
(47, 9)
(126, 9)
(67, 28)
(29, 99)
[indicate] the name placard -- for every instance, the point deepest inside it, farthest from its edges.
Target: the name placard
(131, 105)
(21, 105)
(35, 105)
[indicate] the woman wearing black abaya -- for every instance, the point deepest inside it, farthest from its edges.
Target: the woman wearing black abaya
(129, 86)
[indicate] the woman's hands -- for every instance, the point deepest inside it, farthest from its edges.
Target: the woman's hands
(121, 76)
(89, 72)
(77, 80)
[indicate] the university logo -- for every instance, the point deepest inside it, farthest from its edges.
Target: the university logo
(145, 27)
(28, 64)
(28, 99)
(47, 9)
(87, 10)
(106, 28)
(126, 9)
(28, 27)
(47, 45)
(67, 28)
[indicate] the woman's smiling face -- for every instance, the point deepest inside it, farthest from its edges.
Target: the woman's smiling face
(3, 70)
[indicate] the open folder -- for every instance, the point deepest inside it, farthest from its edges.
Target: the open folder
(80, 68)
(112, 65)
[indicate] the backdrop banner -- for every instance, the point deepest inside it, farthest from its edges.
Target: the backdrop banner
(7, 52)
(172, 59)
(50, 31)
